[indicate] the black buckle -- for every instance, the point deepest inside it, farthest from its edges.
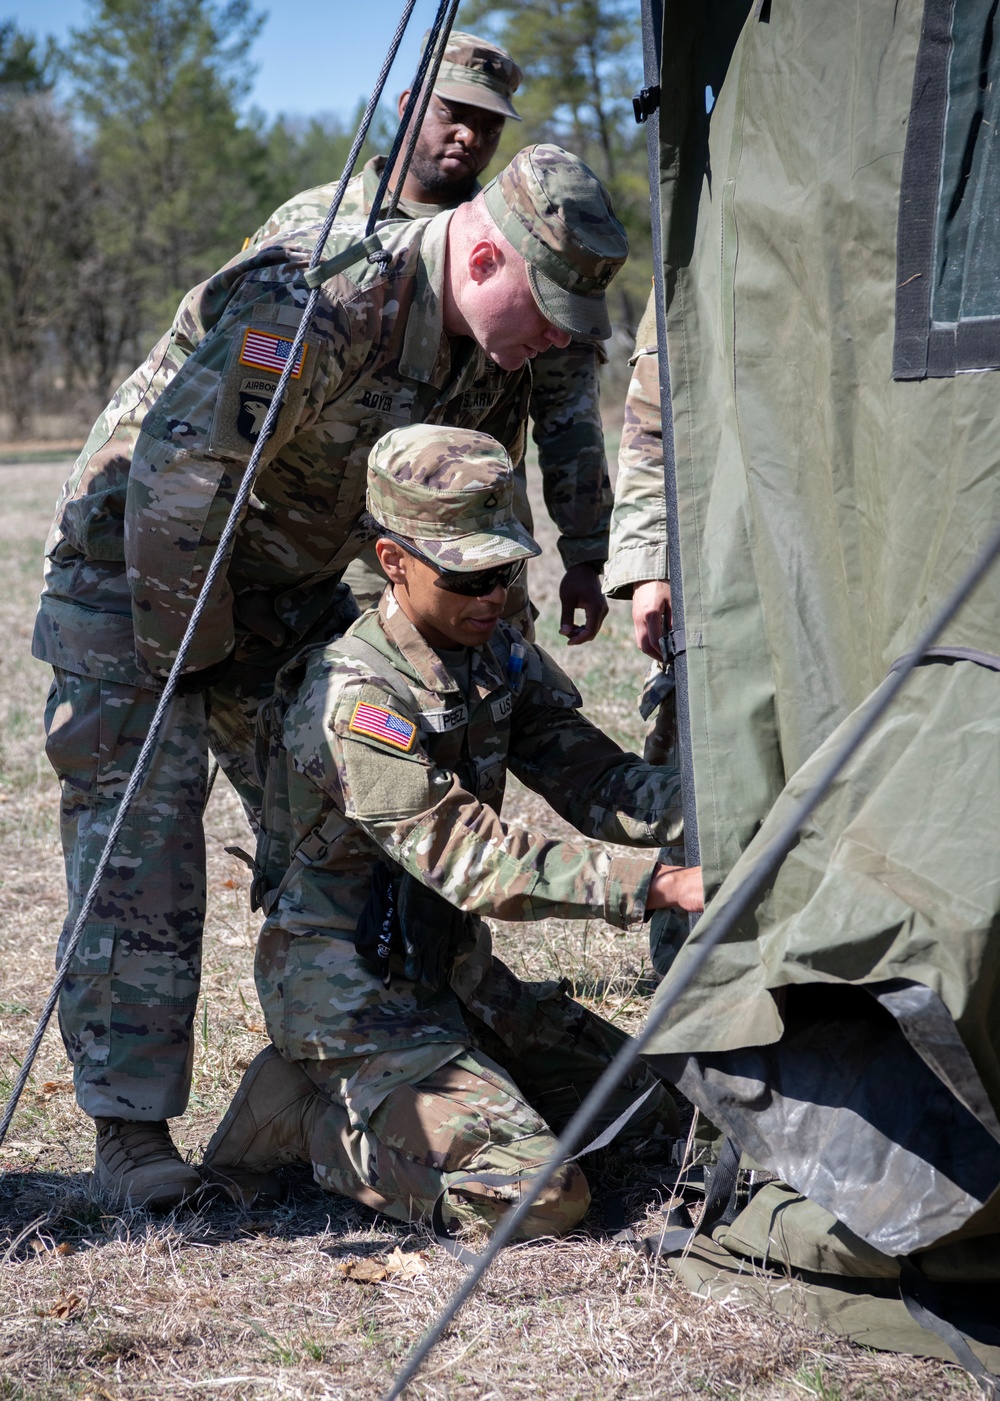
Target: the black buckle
(672, 645)
(645, 102)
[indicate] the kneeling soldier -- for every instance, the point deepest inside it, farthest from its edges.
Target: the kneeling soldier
(408, 1061)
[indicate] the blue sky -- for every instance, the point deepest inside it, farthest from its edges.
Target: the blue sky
(312, 56)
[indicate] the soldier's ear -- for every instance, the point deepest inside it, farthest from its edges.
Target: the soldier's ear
(486, 260)
(404, 97)
(391, 557)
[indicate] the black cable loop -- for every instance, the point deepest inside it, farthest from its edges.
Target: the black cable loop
(408, 111)
(425, 98)
(214, 569)
(703, 940)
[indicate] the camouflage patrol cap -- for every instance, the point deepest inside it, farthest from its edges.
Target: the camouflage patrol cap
(478, 73)
(450, 491)
(556, 213)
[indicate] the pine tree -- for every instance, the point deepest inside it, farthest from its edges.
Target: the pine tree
(40, 170)
(175, 169)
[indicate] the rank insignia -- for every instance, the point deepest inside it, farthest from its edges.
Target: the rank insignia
(386, 725)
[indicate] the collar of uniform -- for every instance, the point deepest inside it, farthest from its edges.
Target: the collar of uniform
(426, 353)
(423, 662)
(371, 174)
(486, 674)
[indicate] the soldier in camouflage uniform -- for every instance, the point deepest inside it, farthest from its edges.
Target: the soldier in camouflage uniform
(437, 329)
(408, 1064)
(637, 570)
(458, 139)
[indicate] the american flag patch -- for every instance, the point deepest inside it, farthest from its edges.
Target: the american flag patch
(386, 725)
(265, 351)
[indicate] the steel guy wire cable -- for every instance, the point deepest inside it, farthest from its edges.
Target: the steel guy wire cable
(359, 138)
(219, 559)
(705, 938)
(430, 53)
(426, 94)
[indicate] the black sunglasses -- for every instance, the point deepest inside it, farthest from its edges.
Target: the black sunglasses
(476, 585)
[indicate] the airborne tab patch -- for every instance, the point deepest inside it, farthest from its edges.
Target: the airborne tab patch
(266, 351)
(386, 725)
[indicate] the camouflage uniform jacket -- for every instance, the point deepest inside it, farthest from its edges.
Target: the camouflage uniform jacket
(139, 519)
(565, 394)
(433, 808)
(639, 521)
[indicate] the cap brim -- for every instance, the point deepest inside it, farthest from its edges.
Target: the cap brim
(467, 554)
(475, 96)
(585, 318)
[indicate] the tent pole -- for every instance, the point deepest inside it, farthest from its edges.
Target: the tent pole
(652, 29)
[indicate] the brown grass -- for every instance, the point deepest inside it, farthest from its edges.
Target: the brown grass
(219, 1303)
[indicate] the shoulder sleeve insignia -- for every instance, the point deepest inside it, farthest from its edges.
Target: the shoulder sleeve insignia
(263, 350)
(386, 725)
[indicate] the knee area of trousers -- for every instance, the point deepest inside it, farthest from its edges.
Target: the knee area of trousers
(560, 1207)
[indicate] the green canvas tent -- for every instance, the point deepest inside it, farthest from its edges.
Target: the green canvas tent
(830, 297)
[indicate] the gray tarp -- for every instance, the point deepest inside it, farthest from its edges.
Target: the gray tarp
(825, 510)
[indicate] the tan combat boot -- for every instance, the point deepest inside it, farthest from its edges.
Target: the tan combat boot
(137, 1165)
(268, 1123)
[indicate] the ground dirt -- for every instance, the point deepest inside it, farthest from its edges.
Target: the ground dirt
(221, 1303)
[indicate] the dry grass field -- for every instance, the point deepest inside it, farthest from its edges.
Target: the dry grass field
(215, 1304)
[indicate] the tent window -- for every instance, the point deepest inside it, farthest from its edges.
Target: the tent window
(948, 260)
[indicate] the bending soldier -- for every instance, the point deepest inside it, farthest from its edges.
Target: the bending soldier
(407, 1060)
(437, 328)
(465, 117)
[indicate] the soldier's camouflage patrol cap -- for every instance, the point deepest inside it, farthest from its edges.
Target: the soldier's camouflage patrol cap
(556, 213)
(450, 491)
(478, 73)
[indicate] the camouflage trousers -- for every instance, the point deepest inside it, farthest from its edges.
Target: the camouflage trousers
(494, 1106)
(127, 1008)
(459, 1121)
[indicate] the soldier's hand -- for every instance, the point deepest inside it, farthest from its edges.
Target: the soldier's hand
(676, 887)
(651, 615)
(581, 589)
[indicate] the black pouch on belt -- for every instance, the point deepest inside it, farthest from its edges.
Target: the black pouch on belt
(408, 929)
